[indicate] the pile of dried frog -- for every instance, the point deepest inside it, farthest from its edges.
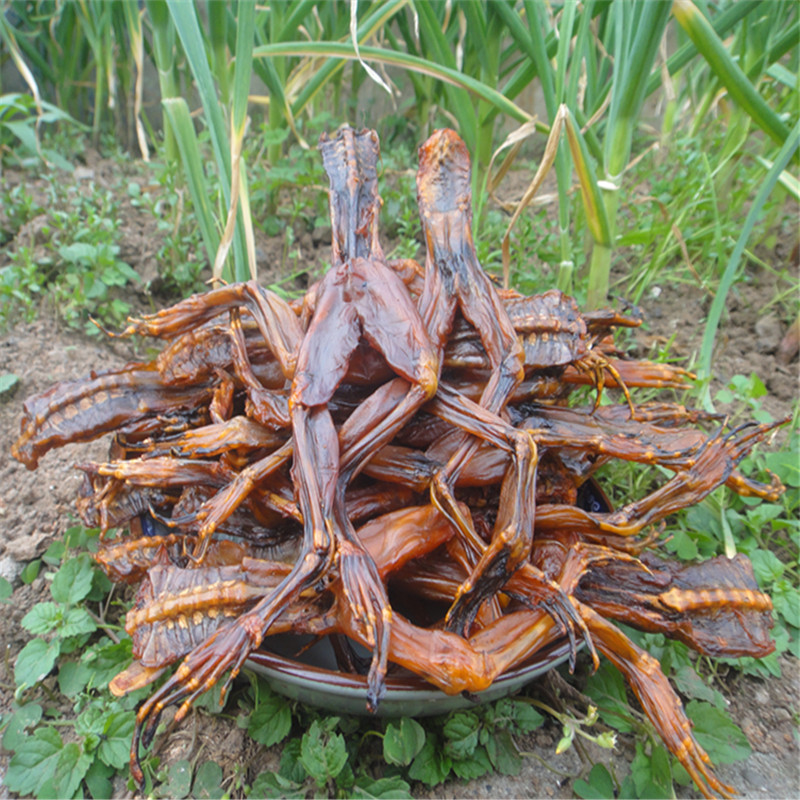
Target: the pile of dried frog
(393, 461)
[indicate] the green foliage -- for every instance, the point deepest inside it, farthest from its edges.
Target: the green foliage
(678, 232)
(654, 769)
(402, 741)
(157, 193)
(186, 779)
(719, 736)
(598, 784)
(285, 192)
(271, 720)
(43, 763)
(332, 753)
(8, 382)
(72, 261)
(19, 131)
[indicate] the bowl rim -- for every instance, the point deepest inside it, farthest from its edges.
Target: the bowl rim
(292, 671)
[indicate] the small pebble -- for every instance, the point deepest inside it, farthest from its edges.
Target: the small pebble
(754, 778)
(768, 334)
(782, 715)
(10, 568)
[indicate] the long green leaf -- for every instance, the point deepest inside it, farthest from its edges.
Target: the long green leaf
(722, 24)
(727, 70)
(375, 20)
(133, 21)
(244, 62)
(241, 88)
(297, 15)
(217, 38)
(715, 312)
(596, 217)
(182, 126)
(164, 56)
(638, 31)
(441, 50)
(184, 16)
(344, 51)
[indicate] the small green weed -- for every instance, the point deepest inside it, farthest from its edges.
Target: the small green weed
(19, 207)
(338, 755)
(181, 257)
(84, 650)
(400, 214)
(73, 261)
(683, 213)
(286, 193)
(19, 131)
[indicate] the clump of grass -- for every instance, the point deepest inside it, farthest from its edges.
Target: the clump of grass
(72, 261)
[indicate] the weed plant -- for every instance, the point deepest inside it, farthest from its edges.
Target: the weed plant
(684, 215)
(180, 262)
(72, 261)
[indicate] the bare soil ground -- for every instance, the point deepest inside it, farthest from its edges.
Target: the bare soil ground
(36, 508)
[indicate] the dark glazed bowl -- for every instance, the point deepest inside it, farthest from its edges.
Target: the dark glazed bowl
(313, 678)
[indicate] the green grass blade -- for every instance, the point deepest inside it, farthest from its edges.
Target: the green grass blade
(373, 21)
(591, 194)
(218, 49)
(715, 312)
(181, 122)
(184, 15)
(242, 74)
(582, 49)
(345, 51)
(243, 66)
(787, 180)
(441, 52)
(10, 41)
(532, 44)
(722, 23)
(563, 54)
(133, 20)
(727, 70)
(638, 31)
(297, 14)
(163, 32)
(785, 42)
(553, 87)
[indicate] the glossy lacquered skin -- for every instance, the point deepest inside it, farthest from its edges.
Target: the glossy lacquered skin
(391, 464)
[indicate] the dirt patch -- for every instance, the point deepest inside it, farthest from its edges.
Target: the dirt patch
(36, 508)
(749, 337)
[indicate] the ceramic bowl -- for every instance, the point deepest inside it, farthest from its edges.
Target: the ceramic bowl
(313, 678)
